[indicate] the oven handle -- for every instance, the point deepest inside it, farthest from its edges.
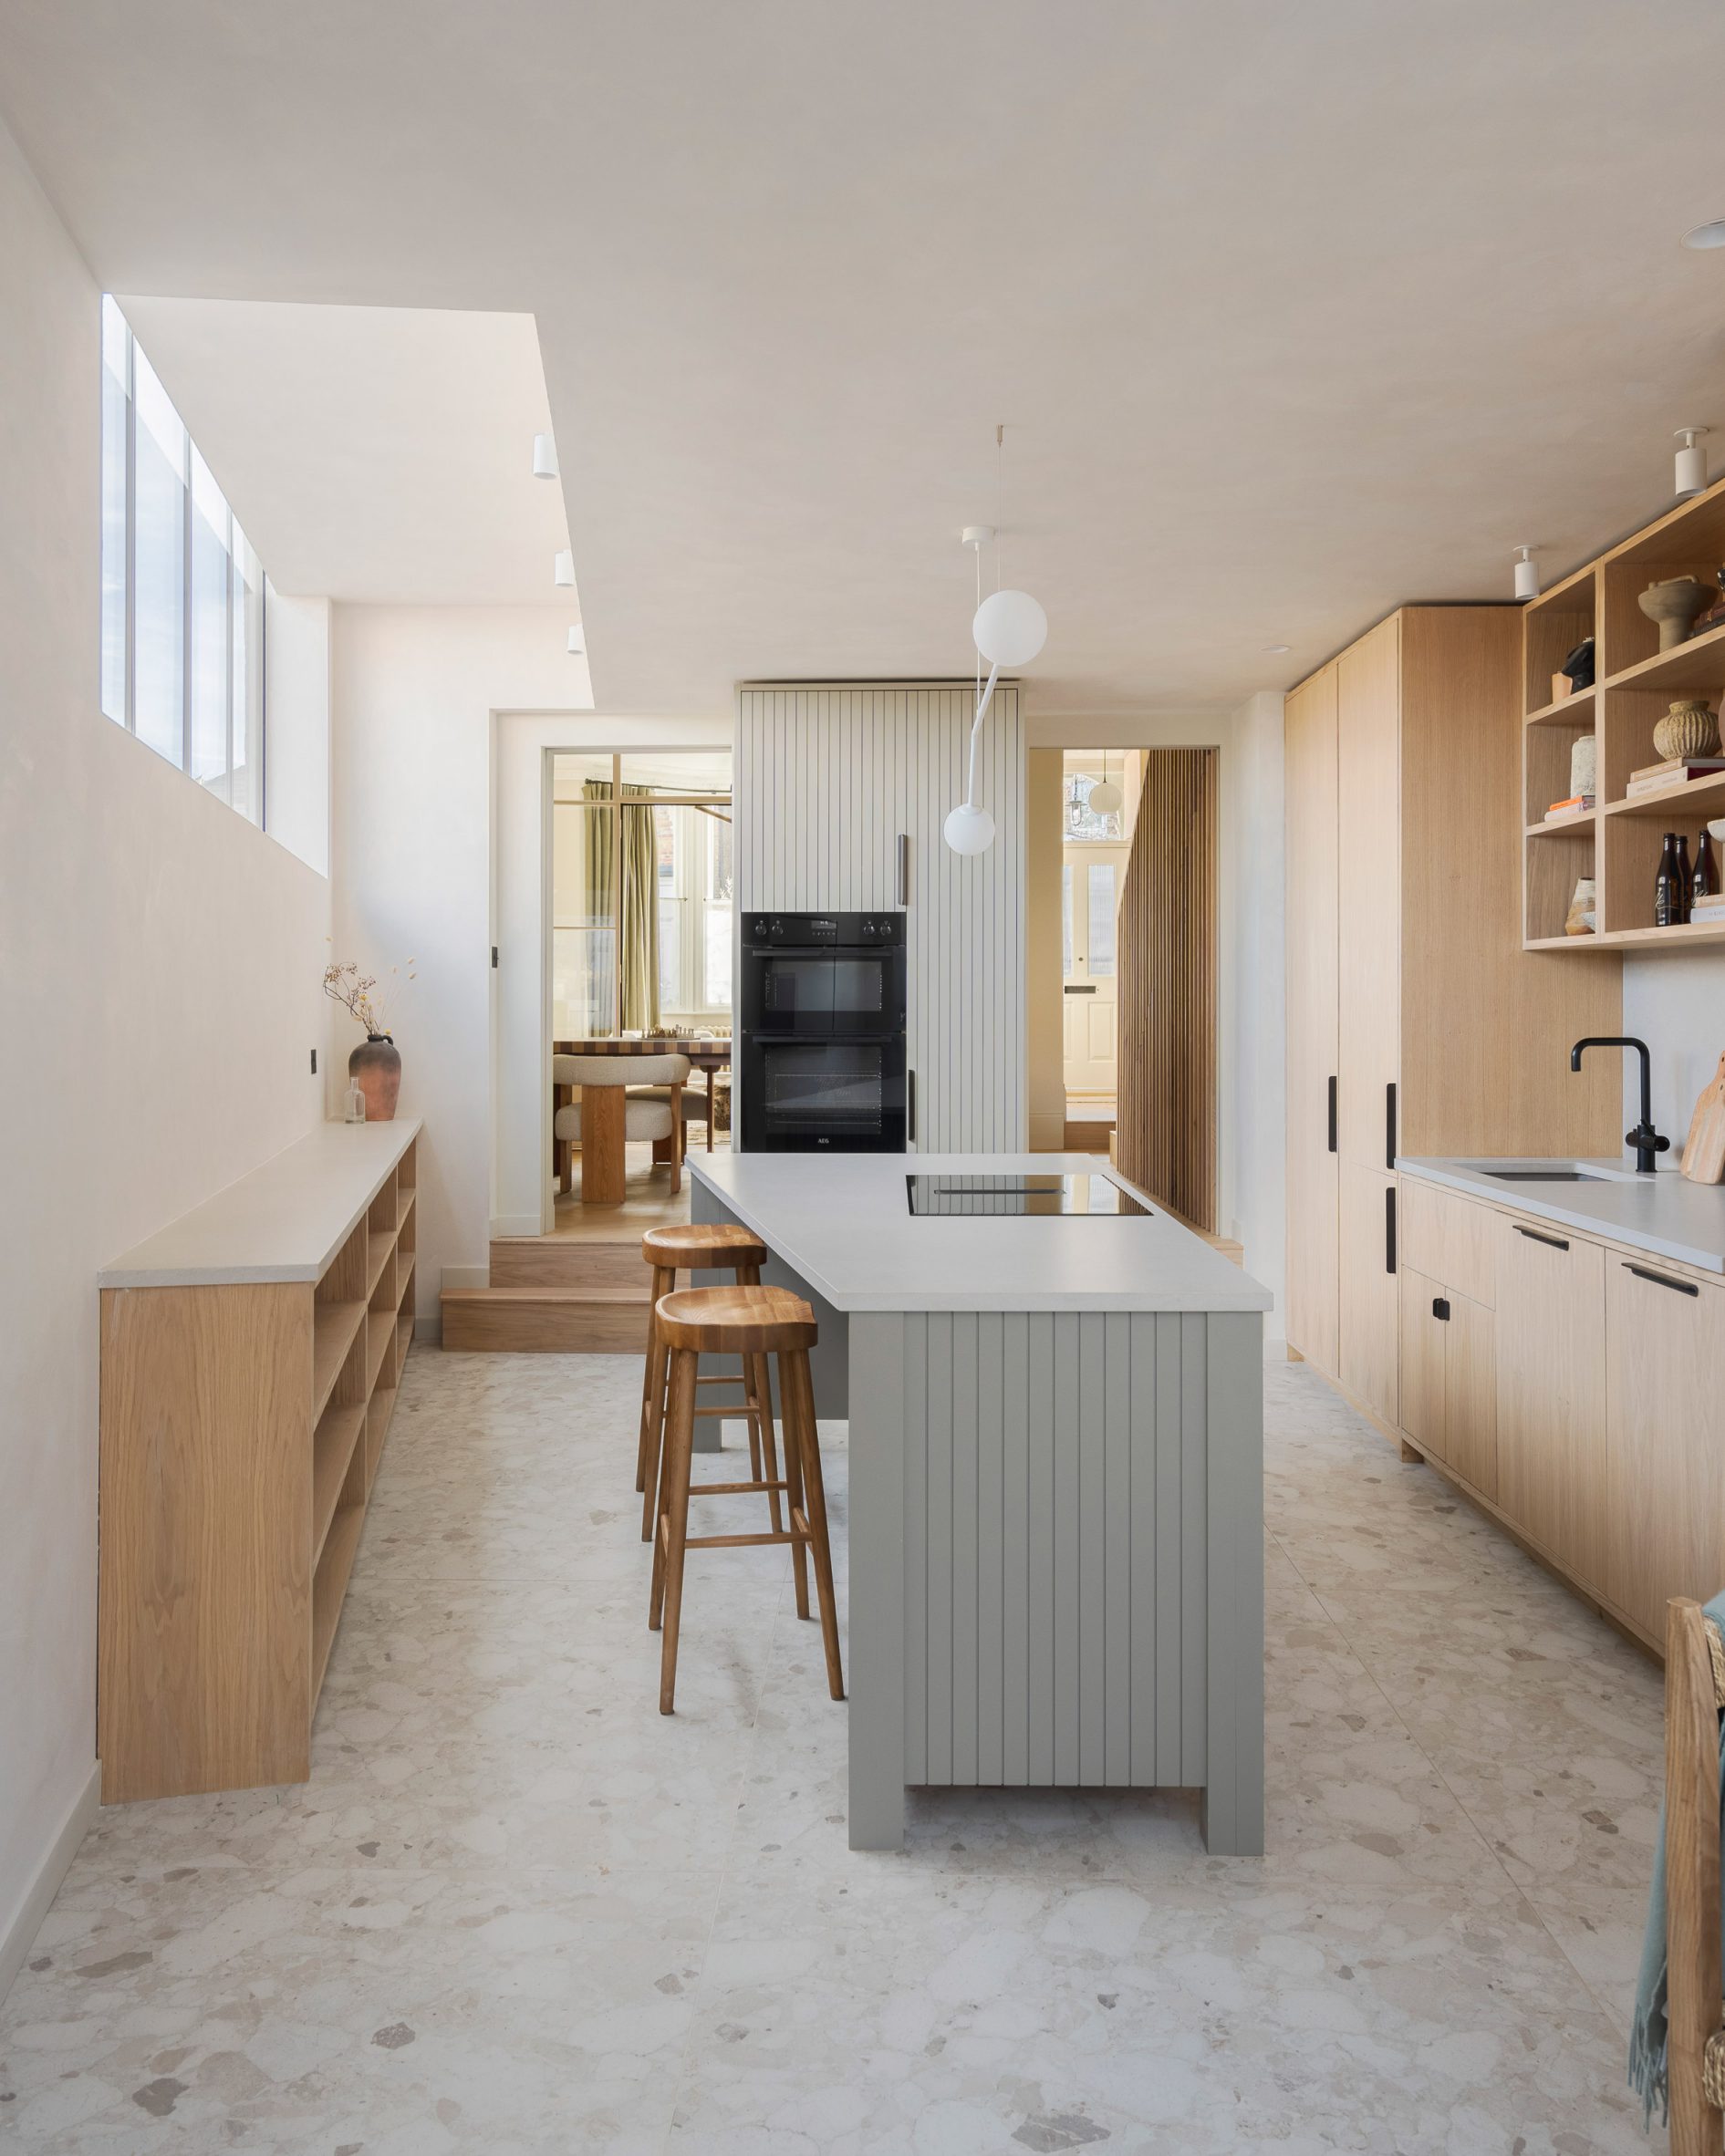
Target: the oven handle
(814, 1040)
(825, 951)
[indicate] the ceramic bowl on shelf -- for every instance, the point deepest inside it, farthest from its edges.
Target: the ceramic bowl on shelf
(1718, 828)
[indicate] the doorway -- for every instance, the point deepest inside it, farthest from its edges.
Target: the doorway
(641, 907)
(1093, 852)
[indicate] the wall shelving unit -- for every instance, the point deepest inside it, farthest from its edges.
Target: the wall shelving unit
(1618, 843)
(252, 1355)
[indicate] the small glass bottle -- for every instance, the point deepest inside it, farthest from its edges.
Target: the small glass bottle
(1704, 884)
(1667, 893)
(353, 1104)
(1685, 877)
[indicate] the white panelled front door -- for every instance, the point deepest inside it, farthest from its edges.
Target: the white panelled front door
(1091, 877)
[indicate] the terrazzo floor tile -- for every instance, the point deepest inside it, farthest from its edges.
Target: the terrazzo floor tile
(516, 1910)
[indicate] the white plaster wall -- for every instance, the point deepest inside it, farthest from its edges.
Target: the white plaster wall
(442, 717)
(1675, 1002)
(160, 972)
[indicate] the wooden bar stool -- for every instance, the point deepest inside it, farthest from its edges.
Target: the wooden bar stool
(710, 1247)
(756, 1322)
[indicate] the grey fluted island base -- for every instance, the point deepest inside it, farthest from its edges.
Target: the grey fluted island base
(1056, 1507)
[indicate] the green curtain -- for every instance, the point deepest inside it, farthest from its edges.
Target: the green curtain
(639, 924)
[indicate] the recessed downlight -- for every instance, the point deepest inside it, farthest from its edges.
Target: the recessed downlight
(1278, 648)
(1706, 235)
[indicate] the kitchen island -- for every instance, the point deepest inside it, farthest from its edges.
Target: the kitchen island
(1056, 1504)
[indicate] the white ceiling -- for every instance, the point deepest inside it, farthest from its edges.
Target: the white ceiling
(1293, 312)
(380, 454)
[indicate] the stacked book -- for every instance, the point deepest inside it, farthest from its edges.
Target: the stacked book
(1676, 771)
(1710, 909)
(1564, 812)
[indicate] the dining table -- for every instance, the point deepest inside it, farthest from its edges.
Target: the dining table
(602, 1173)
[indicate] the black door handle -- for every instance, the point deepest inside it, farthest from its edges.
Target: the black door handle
(1440, 1308)
(1389, 1229)
(1661, 1279)
(1553, 1242)
(1332, 1115)
(1080, 989)
(1389, 1125)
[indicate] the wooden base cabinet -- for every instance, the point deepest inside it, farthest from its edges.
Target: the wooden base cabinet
(1449, 1379)
(1550, 1309)
(1416, 1022)
(1665, 1462)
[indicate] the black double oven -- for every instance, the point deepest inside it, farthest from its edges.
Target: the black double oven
(823, 1024)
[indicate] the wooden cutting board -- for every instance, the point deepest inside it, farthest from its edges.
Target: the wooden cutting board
(1704, 1155)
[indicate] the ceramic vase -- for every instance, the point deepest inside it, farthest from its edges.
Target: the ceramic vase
(1584, 765)
(376, 1067)
(1582, 909)
(1674, 605)
(1688, 728)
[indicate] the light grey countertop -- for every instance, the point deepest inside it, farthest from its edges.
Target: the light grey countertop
(843, 1223)
(285, 1222)
(1663, 1213)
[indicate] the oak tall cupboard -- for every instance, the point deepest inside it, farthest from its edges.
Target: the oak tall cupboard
(1417, 1022)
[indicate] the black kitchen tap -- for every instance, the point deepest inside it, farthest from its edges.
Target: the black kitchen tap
(1645, 1140)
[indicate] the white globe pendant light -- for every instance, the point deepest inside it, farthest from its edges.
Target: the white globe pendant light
(1010, 628)
(1105, 798)
(969, 829)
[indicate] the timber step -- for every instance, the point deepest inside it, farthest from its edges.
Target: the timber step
(598, 1321)
(571, 1263)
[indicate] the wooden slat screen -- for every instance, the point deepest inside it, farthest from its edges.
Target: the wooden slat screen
(1166, 952)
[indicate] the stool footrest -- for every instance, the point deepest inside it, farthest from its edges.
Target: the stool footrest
(738, 1541)
(738, 1380)
(733, 1489)
(735, 1409)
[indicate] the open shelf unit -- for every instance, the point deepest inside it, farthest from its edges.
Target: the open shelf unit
(1618, 843)
(243, 1424)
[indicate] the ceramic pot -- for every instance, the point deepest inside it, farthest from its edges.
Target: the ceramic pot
(1688, 728)
(1584, 765)
(1582, 909)
(1674, 605)
(375, 1067)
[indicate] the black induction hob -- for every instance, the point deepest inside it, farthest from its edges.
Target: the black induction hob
(1010, 1192)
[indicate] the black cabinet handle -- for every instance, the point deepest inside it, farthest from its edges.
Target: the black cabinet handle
(1080, 989)
(1663, 1279)
(1555, 1242)
(1332, 1115)
(1389, 1229)
(911, 1106)
(1389, 1125)
(1440, 1308)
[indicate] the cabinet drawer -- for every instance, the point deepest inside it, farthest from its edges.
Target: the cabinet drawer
(1451, 1239)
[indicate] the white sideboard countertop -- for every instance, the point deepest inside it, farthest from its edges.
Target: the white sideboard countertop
(842, 1222)
(1663, 1213)
(285, 1222)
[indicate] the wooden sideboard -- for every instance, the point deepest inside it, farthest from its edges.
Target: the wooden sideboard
(250, 1358)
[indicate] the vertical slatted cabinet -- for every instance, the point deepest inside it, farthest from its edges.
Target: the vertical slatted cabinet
(242, 1427)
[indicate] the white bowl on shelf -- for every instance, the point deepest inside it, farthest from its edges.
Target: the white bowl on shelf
(1718, 828)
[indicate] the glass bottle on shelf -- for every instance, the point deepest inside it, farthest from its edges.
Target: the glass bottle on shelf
(1704, 883)
(1667, 893)
(353, 1103)
(1685, 877)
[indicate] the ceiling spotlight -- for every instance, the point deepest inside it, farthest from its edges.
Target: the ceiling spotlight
(545, 457)
(562, 570)
(1706, 236)
(1526, 574)
(576, 646)
(1690, 467)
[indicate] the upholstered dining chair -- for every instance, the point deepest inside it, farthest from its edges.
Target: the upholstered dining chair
(609, 1115)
